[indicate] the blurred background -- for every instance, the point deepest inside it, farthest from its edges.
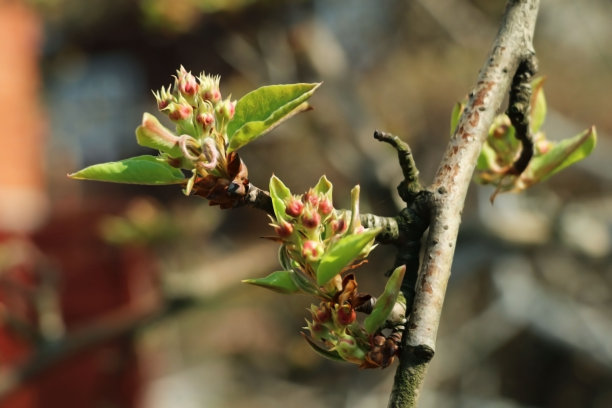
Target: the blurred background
(123, 296)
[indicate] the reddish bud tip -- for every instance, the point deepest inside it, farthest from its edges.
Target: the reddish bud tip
(322, 315)
(162, 104)
(213, 95)
(346, 315)
(312, 198)
(181, 112)
(311, 219)
(186, 82)
(339, 226)
(325, 207)
(294, 207)
(312, 250)
(206, 120)
(284, 230)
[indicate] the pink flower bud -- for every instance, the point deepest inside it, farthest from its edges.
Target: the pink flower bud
(163, 97)
(312, 198)
(178, 111)
(186, 83)
(209, 88)
(227, 109)
(294, 207)
(322, 314)
(312, 250)
(339, 226)
(284, 230)
(207, 120)
(346, 315)
(325, 206)
(310, 219)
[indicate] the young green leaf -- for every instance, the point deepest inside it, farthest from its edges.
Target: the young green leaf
(279, 281)
(151, 133)
(279, 193)
(487, 158)
(386, 301)
(261, 110)
(538, 104)
(324, 186)
(503, 140)
(148, 170)
(355, 220)
(343, 253)
(563, 154)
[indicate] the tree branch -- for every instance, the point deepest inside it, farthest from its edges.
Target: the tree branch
(512, 45)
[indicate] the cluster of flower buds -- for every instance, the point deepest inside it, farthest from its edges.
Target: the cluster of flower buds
(195, 104)
(200, 141)
(319, 247)
(309, 226)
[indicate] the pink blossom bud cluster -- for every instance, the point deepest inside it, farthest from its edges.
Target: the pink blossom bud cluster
(314, 237)
(196, 100)
(195, 105)
(308, 224)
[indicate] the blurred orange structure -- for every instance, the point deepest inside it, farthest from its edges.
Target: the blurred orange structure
(67, 300)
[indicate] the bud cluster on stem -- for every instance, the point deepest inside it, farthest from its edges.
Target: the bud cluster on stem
(195, 105)
(319, 246)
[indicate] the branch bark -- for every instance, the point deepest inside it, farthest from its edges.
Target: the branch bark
(513, 45)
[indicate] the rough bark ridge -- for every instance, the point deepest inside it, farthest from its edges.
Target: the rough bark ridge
(513, 45)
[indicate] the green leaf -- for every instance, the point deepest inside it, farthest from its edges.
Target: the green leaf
(386, 301)
(332, 355)
(151, 133)
(538, 104)
(342, 254)
(325, 187)
(279, 193)
(261, 110)
(563, 154)
(455, 116)
(486, 159)
(147, 170)
(305, 284)
(279, 281)
(503, 141)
